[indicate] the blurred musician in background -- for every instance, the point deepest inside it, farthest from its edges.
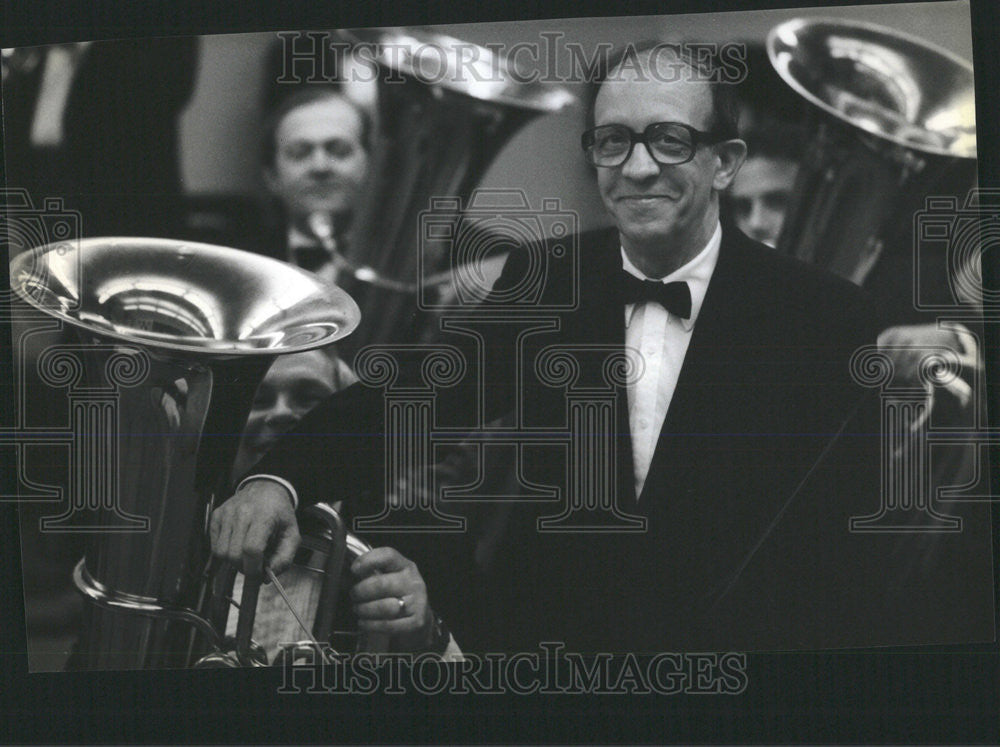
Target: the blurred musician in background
(773, 124)
(761, 192)
(315, 155)
(293, 386)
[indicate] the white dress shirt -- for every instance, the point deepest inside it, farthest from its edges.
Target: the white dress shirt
(662, 340)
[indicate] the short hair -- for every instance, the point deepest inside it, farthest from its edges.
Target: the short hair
(725, 108)
(304, 97)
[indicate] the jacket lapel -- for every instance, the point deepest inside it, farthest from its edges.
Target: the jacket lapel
(715, 354)
(706, 494)
(702, 401)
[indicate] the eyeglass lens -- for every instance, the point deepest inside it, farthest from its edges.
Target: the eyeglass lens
(668, 143)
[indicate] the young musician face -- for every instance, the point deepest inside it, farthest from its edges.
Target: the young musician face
(760, 196)
(320, 160)
(665, 213)
(293, 386)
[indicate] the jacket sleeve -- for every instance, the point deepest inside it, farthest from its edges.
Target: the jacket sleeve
(338, 451)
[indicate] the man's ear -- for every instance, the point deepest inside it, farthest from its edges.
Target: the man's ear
(730, 154)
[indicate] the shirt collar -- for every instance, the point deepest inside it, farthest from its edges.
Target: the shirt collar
(696, 273)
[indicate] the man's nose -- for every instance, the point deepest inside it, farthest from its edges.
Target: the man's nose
(321, 161)
(757, 218)
(640, 164)
(283, 414)
(762, 223)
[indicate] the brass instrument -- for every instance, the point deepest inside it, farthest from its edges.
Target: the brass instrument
(893, 123)
(174, 339)
(311, 618)
(445, 109)
(176, 336)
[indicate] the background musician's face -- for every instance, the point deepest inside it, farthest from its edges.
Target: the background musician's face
(665, 214)
(320, 160)
(293, 386)
(760, 196)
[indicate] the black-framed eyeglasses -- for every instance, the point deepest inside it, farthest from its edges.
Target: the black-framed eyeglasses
(668, 143)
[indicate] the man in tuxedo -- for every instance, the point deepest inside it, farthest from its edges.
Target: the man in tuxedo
(742, 448)
(315, 155)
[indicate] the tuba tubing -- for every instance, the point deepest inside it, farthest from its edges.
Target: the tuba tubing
(323, 529)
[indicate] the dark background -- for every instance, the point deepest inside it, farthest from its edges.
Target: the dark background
(892, 696)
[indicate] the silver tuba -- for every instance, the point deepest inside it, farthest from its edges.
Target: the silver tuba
(893, 122)
(174, 338)
(445, 108)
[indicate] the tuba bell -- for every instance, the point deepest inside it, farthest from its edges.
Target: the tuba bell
(892, 123)
(173, 339)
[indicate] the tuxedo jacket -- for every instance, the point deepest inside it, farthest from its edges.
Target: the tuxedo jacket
(740, 538)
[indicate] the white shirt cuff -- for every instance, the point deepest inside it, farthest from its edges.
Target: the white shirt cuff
(273, 478)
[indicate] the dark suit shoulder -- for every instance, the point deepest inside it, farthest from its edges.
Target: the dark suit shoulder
(552, 271)
(813, 297)
(794, 281)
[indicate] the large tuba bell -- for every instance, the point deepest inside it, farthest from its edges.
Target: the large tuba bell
(445, 108)
(174, 338)
(893, 122)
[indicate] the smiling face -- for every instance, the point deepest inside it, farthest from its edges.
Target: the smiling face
(320, 160)
(293, 386)
(665, 214)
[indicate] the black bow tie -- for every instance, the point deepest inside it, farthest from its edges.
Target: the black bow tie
(674, 297)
